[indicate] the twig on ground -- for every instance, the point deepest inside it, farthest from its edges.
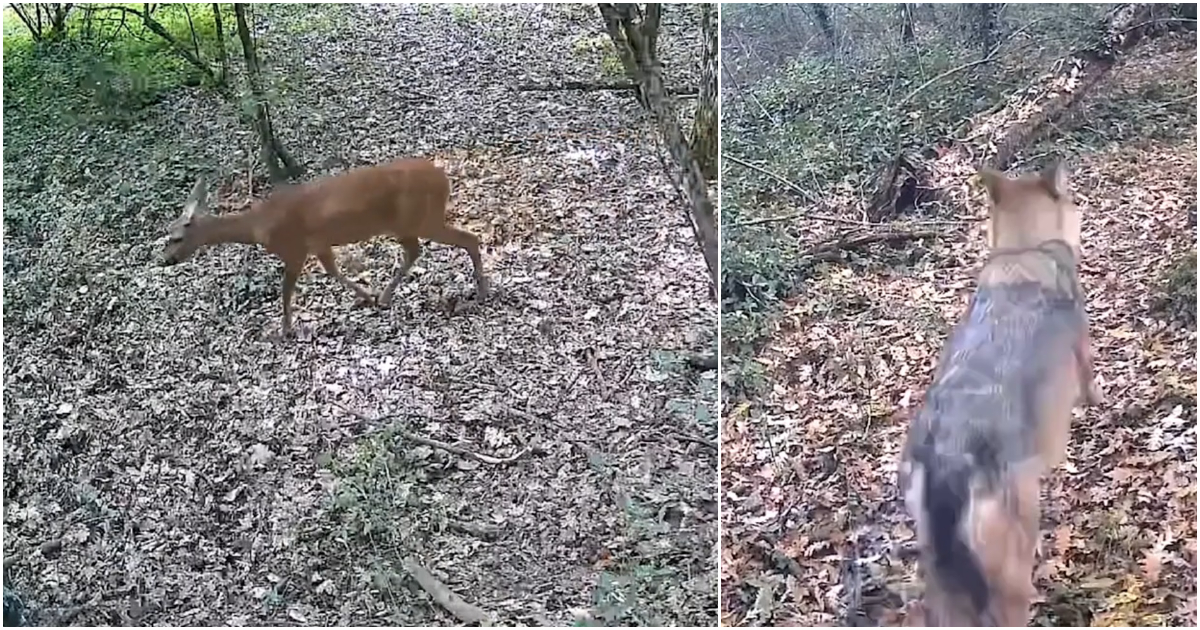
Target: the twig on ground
(791, 185)
(586, 86)
(864, 224)
(450, 448)
(446, 598)
(702, 361)
(616, 386)
(478, 530)
(595, 364)
(523, 415)
(696, 439)
(795, 215)
(832, 249)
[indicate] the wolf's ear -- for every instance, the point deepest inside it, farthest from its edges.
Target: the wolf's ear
(993, 181)
(1055, 179)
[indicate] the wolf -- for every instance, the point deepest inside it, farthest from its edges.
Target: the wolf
(997, 415)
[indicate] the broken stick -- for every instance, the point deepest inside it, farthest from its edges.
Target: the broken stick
(446, 598)
(450, 448)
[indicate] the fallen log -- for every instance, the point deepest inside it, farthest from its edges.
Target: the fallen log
(585, 86)
(916, 177)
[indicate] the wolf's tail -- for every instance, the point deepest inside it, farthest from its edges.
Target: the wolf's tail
(956, 567)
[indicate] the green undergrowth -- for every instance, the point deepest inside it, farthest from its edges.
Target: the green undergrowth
(1178, 293)
(107, 65)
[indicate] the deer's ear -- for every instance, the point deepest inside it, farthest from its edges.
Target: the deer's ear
(1054, 178)
(993, 181)
(197, 202)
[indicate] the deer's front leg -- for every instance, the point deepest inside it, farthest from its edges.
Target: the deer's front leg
(330, 264)
(291, 273)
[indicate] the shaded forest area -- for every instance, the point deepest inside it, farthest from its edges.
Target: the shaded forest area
(851, 232)
(545, 459)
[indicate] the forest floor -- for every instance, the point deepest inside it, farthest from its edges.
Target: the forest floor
(812, 523)
(167, 462)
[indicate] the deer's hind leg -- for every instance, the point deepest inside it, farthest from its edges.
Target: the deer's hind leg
(468, 241)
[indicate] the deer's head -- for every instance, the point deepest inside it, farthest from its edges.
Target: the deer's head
(184, 234)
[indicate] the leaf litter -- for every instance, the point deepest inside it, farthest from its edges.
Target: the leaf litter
(193, 471)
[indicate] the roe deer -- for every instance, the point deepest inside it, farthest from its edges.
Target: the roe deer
(406, 199)
(998, 413)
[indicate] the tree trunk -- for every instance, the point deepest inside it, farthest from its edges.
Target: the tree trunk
(907, 36)
(825, 23)
(985, 24)
(58, 21)
(222, 56)
(704, 130)
(634, 38)
(279, 163)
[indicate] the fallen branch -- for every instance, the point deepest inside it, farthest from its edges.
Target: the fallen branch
(478, 530)
(523, 415)
(781, 180)
(586, 86)
(809, 215)
(702, 361)
(995, 138)
(696, 439)
(450, 448)
(446, 598)
(795, 215)
(833, 249)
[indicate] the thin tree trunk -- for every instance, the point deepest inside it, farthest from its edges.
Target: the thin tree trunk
(704, 129)
(279, 163)
(907, 36)
(825, 23)
(192, 29)
(986, 24)
(634, 37)
(222, 56)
